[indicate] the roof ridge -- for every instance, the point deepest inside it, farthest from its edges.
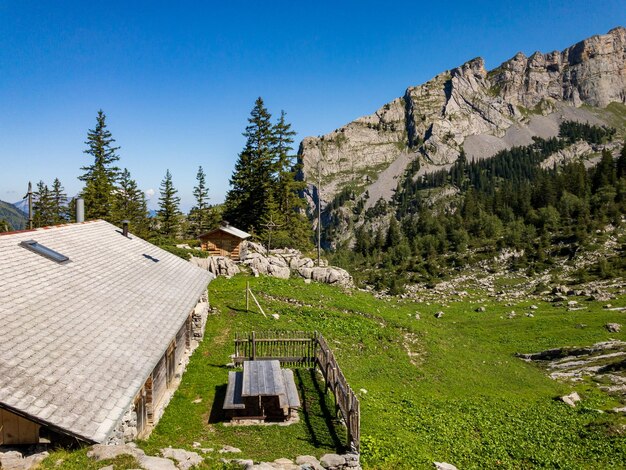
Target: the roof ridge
(50, 227)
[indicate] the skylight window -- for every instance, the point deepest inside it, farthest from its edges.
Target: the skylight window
(44, 251)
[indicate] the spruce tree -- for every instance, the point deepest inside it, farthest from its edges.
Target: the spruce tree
(59, 203)
(621, 163)
(101, 175)
(199, 215)
(168, 213)
(251, 182)
(130, 204)
(43, 206)
(295, 228)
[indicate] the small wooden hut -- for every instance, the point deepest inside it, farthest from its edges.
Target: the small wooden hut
(224, 241)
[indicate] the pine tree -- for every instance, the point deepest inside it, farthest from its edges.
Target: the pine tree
(251, 182)
(60, 208)
(43, 206)
(100, 176)
(168, 213)
(130, 204)
(199, 215)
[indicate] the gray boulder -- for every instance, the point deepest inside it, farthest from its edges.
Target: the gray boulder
(332, 461)
(184, 458)
(613, 327)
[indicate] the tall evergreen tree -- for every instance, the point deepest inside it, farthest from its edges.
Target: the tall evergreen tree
(199, 215)
(130, 204)
(59, 202)
(101, 175)
(295, 228)
(43, 206)
(251, 182)
(169, 212)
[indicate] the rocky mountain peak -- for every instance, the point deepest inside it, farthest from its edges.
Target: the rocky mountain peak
(472, 109)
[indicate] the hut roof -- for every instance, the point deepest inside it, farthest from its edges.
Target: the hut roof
(227, 229)
(80, 336)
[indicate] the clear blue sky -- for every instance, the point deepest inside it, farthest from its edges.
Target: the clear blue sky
(177, 80)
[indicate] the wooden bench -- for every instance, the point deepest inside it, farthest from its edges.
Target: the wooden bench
(234, 400)
(262, 391)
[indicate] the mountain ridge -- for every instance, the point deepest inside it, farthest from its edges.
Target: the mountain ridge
(469, 108)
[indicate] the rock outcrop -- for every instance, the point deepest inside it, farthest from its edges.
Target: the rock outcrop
(218, 265)
(467, 108)
(282, 263)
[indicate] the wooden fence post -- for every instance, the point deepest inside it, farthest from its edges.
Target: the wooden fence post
(253, 345)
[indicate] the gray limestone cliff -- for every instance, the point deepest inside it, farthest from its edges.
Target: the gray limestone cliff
(468, 108)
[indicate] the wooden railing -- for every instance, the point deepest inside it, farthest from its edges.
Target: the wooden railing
(291, 348)
(305, 349)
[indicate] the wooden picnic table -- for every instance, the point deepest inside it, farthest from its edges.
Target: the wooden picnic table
(261, 391)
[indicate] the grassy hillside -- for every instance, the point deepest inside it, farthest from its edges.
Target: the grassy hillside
(447, 389)
(15, 217)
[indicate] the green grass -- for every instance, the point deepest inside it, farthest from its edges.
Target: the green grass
(464, 398)
(78, 460)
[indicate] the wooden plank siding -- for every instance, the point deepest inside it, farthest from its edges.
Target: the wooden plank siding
(222, 244)
(159, 381)
(17, 430)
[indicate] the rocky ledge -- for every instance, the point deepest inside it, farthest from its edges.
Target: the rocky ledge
(282, 263)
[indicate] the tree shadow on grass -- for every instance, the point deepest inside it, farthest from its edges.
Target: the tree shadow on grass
(321, 424)
(217, 414)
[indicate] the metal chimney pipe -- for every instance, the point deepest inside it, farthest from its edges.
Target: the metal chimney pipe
(125, 228)
(80, 210)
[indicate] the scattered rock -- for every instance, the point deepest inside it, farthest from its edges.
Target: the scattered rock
(444, 466)
(481, 309)
(229, 449)
(185, 458)
(13, 460)
(363, 391)
(310, 461)
(439, 314)
(245, 463)
(104, 452)
(148, 462)
(332, 461)
(275, 316)
(613, 327)
(571, 399)
(529, 315)
(511, 315)
(417, 316)
(534, 307)
(197, 400)
(572, 303)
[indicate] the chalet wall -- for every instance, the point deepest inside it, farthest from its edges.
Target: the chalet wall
(17, 430)
(150, 403)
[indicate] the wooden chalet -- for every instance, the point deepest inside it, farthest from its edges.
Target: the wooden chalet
(96, 328)
(224, 241)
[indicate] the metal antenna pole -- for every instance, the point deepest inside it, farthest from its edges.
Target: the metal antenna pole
(29, 195)
(319, 212)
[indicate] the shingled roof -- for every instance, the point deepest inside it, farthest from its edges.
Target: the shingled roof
(228, 229)
(79, 338)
